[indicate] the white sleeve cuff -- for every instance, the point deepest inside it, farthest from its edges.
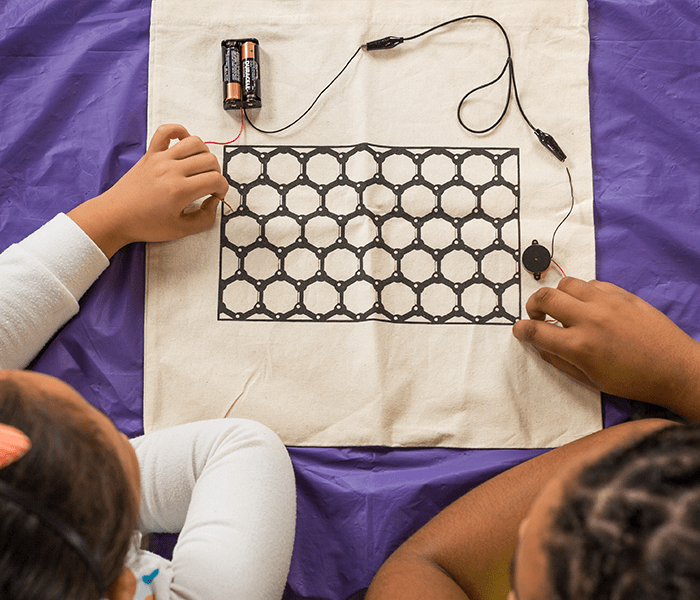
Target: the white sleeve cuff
(68, 252)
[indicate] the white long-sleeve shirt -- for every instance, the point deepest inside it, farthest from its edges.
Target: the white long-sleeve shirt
(41, 280)
(227, 485)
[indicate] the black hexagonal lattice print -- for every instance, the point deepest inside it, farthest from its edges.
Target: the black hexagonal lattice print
(367, 232)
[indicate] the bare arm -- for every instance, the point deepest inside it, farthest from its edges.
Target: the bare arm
(466, 550)
(616, 342)
(149, 203)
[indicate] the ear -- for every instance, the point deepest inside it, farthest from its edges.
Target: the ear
(124, 587)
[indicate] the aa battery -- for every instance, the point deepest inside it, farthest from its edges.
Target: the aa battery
(241, 73)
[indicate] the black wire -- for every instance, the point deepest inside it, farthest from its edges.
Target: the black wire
(512, 87)
(571, 208)
(312, 104)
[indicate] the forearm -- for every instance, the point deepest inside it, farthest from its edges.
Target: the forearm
(407, 575)
(469, 545)
(43, 277)
(681, 393)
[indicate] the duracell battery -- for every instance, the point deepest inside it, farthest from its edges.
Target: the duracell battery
(241, 72)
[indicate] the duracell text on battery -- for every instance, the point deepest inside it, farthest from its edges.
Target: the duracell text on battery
(241, 73)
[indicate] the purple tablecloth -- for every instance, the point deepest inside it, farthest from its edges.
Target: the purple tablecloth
(73, 85)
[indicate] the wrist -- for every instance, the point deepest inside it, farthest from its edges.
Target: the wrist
(96, 219)
(684, 396)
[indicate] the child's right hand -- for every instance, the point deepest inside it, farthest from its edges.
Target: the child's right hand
(616, 342)
(149, 202)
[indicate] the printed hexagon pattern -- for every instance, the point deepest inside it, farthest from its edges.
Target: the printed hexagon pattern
(367, 232)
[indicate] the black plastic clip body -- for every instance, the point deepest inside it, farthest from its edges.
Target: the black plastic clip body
(548, 142)
(384, 43)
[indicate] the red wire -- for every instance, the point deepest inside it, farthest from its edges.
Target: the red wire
(226, 144)
(234, 139)
(563, 275)
(558, 267)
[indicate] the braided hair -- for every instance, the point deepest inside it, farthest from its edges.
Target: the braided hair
(628, 527)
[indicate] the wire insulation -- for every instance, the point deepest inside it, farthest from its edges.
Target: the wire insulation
(571, 208)
(310, 107)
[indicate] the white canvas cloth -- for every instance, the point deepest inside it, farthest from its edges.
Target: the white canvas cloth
(376, 373)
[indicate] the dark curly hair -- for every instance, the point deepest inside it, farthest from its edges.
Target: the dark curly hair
(628, 527)
(72, 471)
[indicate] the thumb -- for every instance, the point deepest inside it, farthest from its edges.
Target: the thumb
(202, 218)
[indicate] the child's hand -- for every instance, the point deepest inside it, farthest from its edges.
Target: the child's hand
(151, 203)
(616, 342)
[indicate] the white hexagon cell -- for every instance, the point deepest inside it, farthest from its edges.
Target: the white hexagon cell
(321, 232)
(234, 201)
(418, 200)
(511, 300)
(360, 166)
(360, 297)
(243, 167)
(398, 168)
(320, 297)
(437, 169)
(498, 201)
(322, 168)
(282, 231)
(478, 234)
(458, 201)
(229, 261)
(510, 234)
(301, 264)
(341, 264)
(438, 233)
(398, 299)
(438, 300)
(240, 297)
(379, 199)
(341, 200)
(378, 264)
(510, 170)
(261, 263)
(499, 266)
(417, 266)
(478, 169)
(397, 233)
(280, 297)
(302, 200)
(360, 231)
(458, 266)
(263, 200)
(242, 231)
(479, 300)
(283, 168)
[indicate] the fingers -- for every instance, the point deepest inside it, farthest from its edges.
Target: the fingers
(566, 367)
(545, 337)
(554, 302)
(566, 303)
(205, 184)
(554, 344)
(186, 147)
(199, 163)
(201, 218)
(164, 134)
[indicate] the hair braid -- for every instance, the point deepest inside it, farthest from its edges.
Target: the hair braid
(629, 526)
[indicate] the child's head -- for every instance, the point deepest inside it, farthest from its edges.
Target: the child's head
(81, 470)
(627, 526)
